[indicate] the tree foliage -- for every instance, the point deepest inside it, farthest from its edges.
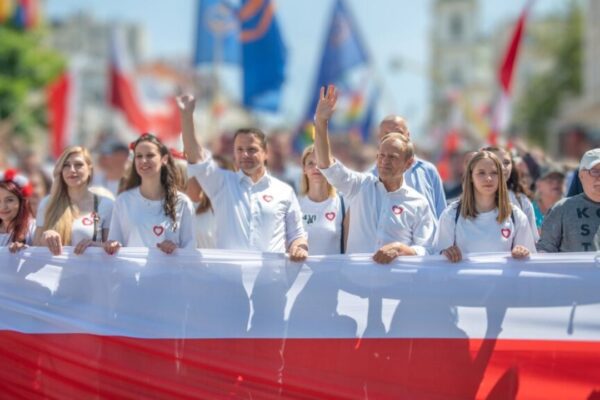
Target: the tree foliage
(27, 66)
(545, 92)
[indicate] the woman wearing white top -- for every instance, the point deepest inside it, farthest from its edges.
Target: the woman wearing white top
(150, 212)
(72, 214)
(484, 219)
(322, 208)
(16, 222)
(517, 191)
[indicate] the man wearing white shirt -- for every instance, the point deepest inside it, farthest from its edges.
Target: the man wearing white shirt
(422, 175)
(253, 210)
(388, 217)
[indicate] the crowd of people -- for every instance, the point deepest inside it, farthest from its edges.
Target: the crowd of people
(146, 195)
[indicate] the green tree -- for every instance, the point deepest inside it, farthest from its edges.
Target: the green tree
(545, 92)
(27, 66)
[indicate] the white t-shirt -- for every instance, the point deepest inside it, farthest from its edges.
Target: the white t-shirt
(139, 222)
(525, 205)
(262, 216)
(205, 229)
(83, 226)
(323, 223)
(5, 237)
(379, 217)
(483, 234)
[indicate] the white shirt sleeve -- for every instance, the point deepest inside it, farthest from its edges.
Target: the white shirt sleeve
(344, 179)
(105, 209)
(523, 233)
(40, 218)
(445, 234)
(423, 231)
(115, 231)
(294, 228)
(187, 230)
(209, 175)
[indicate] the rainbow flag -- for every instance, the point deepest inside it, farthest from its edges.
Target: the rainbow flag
(20, 14)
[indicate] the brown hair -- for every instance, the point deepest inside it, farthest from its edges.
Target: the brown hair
(514, 181)
(169, 175)
(260, 135)
(304, 184)
(467, 202)
(59, 212)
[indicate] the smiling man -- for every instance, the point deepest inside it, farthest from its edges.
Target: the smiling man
(572, 224)
(388, 218)
(253, 210)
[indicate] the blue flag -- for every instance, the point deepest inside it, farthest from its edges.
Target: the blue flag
(264, 55)
(217, 36)
(342, 53)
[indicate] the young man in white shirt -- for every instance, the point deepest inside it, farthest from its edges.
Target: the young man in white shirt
(388, 217)
(253, 210)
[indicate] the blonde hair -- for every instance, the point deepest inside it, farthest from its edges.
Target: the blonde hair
(468, 209)
(59, 214)
(304, 184)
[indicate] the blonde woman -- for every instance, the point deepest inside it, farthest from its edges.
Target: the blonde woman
(72, 215)
(151, 212)
(324, 211)
(483, 220)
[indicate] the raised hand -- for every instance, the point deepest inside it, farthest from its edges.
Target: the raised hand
(326, 104)
(186, 103)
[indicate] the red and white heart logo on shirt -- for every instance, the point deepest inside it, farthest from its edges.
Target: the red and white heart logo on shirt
(87, 221)
(397, 210)
(158, 230)
(505, 233)
(267, 197)
(330, 216)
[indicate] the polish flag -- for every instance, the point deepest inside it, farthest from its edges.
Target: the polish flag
(216, 324)
(62, 96)
(159, 116)
(503, 108)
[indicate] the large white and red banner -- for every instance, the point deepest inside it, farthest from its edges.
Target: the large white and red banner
(244, 325)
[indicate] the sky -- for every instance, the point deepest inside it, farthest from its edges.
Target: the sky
(392, 29)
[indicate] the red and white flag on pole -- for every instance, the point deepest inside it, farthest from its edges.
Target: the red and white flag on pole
(143, 113)
(501, 116)
(62, 97)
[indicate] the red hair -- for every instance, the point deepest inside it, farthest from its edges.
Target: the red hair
(18, 226)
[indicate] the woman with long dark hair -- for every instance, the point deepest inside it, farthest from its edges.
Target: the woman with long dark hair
(16, 222)
(150, 211)
(73, 214)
